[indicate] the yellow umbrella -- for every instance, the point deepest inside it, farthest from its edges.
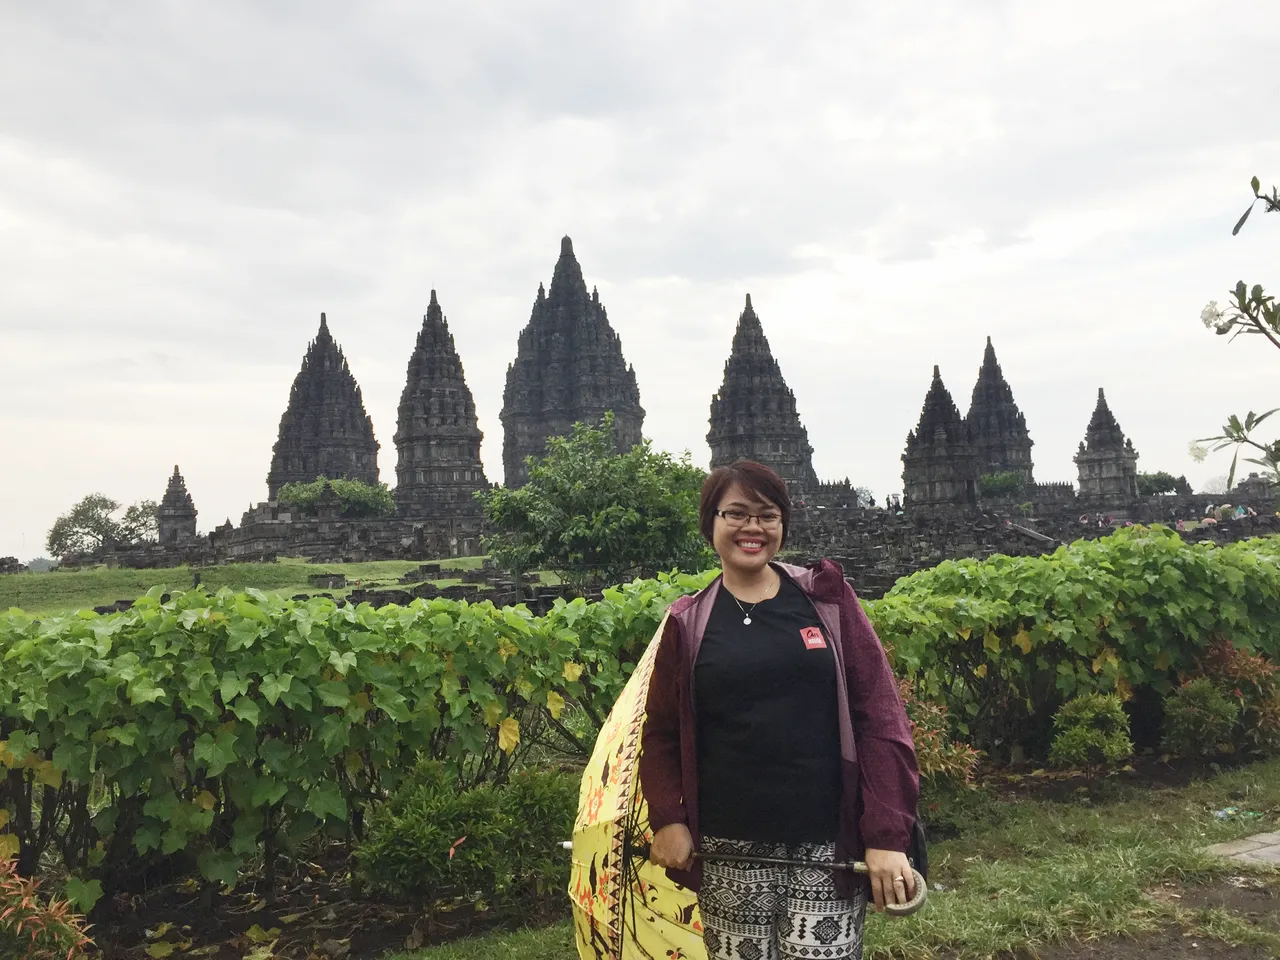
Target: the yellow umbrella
(624, 908)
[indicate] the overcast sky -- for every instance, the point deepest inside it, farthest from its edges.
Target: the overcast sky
(185, 187)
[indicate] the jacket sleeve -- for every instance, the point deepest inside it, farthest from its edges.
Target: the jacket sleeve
(660, 774)
(887, 770)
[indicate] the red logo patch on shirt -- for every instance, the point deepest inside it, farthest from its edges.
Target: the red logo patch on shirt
(813, 639)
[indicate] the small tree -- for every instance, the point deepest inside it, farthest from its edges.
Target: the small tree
(591, 514)
(1008, 483)
(1153, 484)
(1251, 311)
(88, 527)
(355, 498)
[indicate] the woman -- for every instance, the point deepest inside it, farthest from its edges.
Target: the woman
(775, 729)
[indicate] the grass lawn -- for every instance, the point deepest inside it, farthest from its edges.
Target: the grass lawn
(59, 592)
(1029, 873)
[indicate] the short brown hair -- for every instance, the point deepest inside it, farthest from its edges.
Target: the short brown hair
(756, 479)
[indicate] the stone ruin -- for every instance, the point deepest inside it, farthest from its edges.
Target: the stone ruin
(569, 368)
(324, 431)
(753, 414)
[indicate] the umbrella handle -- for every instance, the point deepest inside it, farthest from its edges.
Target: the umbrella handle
(857, 866)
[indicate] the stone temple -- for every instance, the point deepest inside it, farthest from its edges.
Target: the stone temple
(325, 431)
(176, 513)
(437, 433)
(569, 368)
(753, 416)
(1107, 462)
(996, 425)
(940, 465)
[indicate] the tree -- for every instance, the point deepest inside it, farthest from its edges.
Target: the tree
(1251, 311)
(591, 514)
(1008, 483)
(354, 497)
(1215, 485)
(88, 527)
(1153, 484)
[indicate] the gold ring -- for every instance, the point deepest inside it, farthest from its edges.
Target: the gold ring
(900, 880)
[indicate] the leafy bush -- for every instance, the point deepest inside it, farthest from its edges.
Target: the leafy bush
(1199, 720)
(500, 843)
(1252, 680)
(233, 726)
(945, 764)
(1008, 483)
(1005, 641)
(33, 928)
(354, 498)
(1091, 730)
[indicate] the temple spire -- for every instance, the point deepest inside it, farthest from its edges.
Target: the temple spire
(1106, 462)
(324, 430)
(176, 512)
(997, 426)
(437, 435)
(754, 416)
(940, 464)
(569, 368)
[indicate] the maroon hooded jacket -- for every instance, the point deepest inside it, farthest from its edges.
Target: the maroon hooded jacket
(879, 779)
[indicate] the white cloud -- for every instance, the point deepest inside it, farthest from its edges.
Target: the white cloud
(182, 194)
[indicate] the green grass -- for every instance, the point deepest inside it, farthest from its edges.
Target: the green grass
(1033, 873)
(65, 592)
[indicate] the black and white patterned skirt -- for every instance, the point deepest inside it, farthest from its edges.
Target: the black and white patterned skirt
(767, 912)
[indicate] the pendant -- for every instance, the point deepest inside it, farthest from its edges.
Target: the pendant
(746, 621)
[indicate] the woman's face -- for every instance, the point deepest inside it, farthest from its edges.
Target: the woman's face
(746, 547)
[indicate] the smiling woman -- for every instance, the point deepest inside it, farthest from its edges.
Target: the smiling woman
(796, 745)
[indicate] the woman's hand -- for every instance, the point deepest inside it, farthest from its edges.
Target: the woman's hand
(892, 880)
(672, 847)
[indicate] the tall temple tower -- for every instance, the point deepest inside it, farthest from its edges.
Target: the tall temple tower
(568, 368)
(437, 433)
(1107, 462)
(997, 426)
(940, 465)
(324, 431)
(176, 514)
(753, 416)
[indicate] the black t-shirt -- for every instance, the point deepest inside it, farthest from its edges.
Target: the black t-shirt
(768, 728)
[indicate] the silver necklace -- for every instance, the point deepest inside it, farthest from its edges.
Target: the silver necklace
(746, 614)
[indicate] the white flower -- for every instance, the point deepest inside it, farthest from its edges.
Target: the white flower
(1197, 451)
(1213, 317)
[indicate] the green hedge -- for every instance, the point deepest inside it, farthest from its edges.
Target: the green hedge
(1005, 641)
(223, 728)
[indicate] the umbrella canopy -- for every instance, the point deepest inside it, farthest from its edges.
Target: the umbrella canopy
(624, 908)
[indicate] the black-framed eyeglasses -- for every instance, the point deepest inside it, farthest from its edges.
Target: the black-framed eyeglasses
(738, 518)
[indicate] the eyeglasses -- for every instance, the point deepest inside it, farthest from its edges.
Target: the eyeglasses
(738, 518)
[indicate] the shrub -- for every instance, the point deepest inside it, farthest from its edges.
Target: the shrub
(431, 841)
(1009, 483)
(353, 498)
(945, 764)
(1003, 642)
(1091, 730)
(33, 928)
(1199, 719)
(1252, 680)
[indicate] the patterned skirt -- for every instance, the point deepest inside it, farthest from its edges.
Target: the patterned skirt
(767, 912)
